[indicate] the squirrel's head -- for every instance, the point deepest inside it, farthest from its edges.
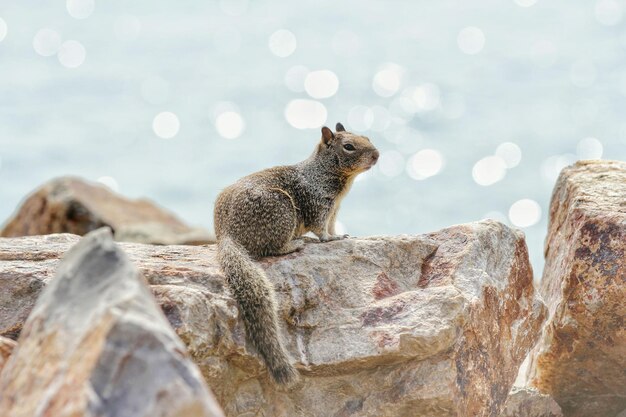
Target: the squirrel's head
(352, 153)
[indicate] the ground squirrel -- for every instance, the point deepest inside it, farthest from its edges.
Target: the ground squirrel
(264, 213)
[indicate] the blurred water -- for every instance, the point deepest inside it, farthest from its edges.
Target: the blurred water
(437, 86)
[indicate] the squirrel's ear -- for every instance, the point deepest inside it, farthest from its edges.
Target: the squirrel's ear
(327, 135)
(339, 128)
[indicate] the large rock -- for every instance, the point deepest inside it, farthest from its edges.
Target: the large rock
(433, 325)
(581, 357)
(96, 344)
(528, 402)
(72, 205)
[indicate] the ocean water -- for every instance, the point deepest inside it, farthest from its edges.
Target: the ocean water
(475, 106)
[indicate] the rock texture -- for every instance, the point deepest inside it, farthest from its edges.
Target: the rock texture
(433, 325)
(6, 348)
(528, 402)
(96, 344)
(72, 205)
(581, 357)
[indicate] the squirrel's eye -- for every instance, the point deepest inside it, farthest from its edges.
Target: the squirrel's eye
(348, 147)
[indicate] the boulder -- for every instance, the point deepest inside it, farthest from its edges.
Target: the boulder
(431, 325)
(97, 344)
(580, 359)
(6, 348)
(72, 205)
(528, 402)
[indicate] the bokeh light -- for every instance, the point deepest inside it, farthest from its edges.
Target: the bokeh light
(305, 114)
(165, 125)
(510, 153)
(47, 42)
(360, 118)
(381, 119)
(496, 215)
(471, 40)
(552, 166)
(489, 170)
(3, 29)
(72, 54)
(387, 81)
(321, 84)
(229, 125)
(543, 53)
(294, 78)
(424, 164)
(126, 27)
(426, 97)
(589, 148)
(608, 12)
(525, 213)
(110, 182)
(391, 163)
(80, 9)
(282, 43)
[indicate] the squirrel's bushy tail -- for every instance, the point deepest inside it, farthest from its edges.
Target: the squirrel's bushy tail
(255, 295)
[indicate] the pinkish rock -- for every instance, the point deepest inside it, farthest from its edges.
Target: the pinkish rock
(433, 325)
(581, 358)
(72, 205)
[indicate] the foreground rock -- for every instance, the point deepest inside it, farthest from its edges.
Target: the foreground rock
(71, 205)
(433, 325)
(528, 402)
(6, 348)
(96, 344)
(581, 358)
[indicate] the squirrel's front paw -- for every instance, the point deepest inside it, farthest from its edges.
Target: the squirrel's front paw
(330, 238)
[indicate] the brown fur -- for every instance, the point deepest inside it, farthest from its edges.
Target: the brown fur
(263, 213)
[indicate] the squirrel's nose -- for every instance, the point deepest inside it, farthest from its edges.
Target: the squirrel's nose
(375, 156)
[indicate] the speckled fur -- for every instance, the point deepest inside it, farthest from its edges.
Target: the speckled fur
(262, 214)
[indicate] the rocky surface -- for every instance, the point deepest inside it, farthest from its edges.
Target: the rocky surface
(72, 205)
(6, 348)
(97, 344)
(581, 357)
(528, 402)
(433, 325)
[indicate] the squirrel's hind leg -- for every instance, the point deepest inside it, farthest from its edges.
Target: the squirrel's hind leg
(291, 246)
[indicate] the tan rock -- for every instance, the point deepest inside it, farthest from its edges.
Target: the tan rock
(97, 344)
(433, 325)
(528, 402)
(6, 348)
(581, 358)
(72, 205)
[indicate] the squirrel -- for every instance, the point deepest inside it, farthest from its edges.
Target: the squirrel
(265, 213)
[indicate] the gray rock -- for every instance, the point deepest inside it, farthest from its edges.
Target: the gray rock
(528, 402)
(97, 344)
